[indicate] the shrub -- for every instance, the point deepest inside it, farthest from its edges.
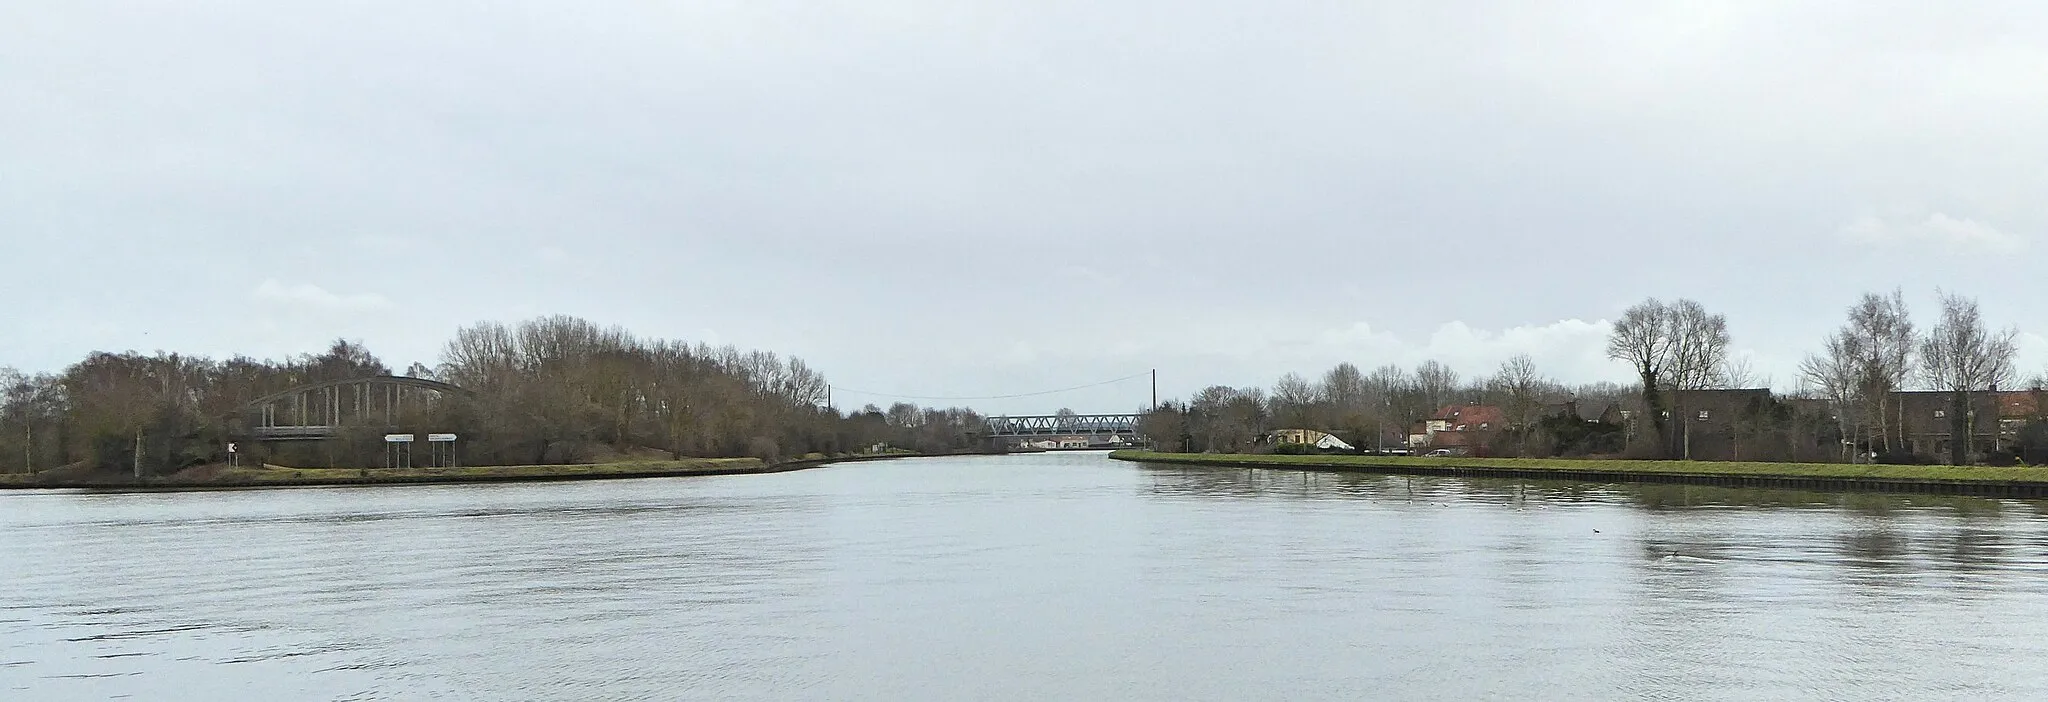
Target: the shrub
(763, 448)
(1295, 449)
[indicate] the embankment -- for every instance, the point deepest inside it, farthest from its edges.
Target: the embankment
(219, 477)
(1947, 480)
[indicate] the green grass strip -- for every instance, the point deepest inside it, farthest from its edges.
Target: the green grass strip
(2031, 475)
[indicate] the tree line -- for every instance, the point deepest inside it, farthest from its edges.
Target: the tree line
(1370, 410)
(548, 390)
(1845, 397)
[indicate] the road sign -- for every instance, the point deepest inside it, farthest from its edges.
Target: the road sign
(439, 438)
(231, 447)
(398, 438)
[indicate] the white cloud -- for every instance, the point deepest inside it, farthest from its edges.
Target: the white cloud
(1946, 233)
(310, 295)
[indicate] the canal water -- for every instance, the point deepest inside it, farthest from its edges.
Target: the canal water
(1061, 576)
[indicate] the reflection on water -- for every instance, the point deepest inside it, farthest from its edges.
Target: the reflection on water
(1022, 577)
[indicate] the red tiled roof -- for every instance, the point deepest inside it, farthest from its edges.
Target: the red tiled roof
(2018, 404)
(1472, 416)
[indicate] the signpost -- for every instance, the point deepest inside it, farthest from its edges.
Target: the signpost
(442, 457)
(234, 458)
(398, 447)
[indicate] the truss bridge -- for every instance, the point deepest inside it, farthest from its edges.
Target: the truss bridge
(1066, 430)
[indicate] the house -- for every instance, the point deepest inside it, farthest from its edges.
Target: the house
(1319, 439)
(1602, 411)
(1465, 428)
(1295, 436)
(2018, 407)
(1332, 443)
(1929, 429)
(1459, 443)
(1711, 425)
(1467, 418)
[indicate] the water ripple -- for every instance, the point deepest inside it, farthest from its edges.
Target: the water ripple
(1030, 577)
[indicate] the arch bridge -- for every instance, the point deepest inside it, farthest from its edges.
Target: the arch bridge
(321, 410)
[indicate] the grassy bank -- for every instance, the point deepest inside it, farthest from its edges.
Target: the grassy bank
(221, 476)
(1823, 475)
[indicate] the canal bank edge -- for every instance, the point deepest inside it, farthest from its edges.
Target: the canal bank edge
(1948, 480)
(283, 476)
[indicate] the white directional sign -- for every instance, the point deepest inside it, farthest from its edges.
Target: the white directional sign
(398, 438)
(439, 438)
(231, 448)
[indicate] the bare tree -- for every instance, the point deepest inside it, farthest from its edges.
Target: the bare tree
(1343, 387)
(16, 398)
(1519, 383)
(1227, 419)
(1294, 401)
(1961, 356)
(1885, 339)
(1836, 373)
(1738, 372)
(1168, 427)
(1699, 346)
(1699, 350)
(1386, 393)
(1641, 338)
(1679, 346)
(1436, 383)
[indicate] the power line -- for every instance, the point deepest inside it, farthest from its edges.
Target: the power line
(836, 388)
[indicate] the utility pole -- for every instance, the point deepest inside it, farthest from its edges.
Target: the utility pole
(1379, 428)
(1155, 390)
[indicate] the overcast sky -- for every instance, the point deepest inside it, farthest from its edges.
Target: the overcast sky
(968, 199)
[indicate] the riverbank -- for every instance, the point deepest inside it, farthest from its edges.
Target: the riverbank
(220, 477)
(1953, 480)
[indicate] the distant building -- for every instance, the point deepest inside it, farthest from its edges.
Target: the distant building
(1319, 439)
(1604, 411)
(1709, 425)
(1467, 429)
(1467, 418)
(2018, 407)
(1329, 442)
(1927, 423)
(1295, 436)
(1459, 443)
